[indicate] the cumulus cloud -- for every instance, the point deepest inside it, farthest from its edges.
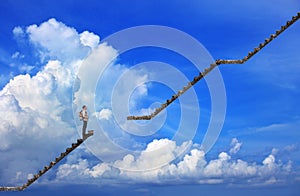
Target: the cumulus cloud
(41, 88)
(89, 39)
(105, 114)
(157, 154)
(53, 39)
(192, 167)
(31, 118)
(36, 110)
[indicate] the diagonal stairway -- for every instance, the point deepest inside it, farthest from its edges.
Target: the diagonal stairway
(48, 167)
(212, 66)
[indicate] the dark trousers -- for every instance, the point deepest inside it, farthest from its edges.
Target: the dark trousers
(84, 128)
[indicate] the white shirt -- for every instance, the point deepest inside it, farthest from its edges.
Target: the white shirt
(85, 115)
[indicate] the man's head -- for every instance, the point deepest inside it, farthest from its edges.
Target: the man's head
(84, 107)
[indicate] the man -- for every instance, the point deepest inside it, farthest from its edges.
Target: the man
(84, 117)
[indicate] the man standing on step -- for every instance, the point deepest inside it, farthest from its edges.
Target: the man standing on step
(83, 115)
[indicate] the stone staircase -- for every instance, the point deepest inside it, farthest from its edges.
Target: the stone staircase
(48, 167)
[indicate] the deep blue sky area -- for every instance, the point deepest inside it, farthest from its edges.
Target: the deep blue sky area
(260, 132)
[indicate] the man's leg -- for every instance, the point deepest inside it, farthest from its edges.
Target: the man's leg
(84, 128)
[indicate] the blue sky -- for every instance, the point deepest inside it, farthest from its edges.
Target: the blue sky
(45, 46)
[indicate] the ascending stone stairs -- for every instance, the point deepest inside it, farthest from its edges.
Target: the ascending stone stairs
(48, 167)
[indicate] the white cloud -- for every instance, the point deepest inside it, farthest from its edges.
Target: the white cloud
(23, 131)
(193, 167)
(99, 170)
(157, 154)
(89, 39)
(235, 146)
(36, 93)
(269, 161)
(36, 121)
(56, 40)
(18, 31)
(105, 114)
(36, 110)
(74, 169)
(190, 163)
